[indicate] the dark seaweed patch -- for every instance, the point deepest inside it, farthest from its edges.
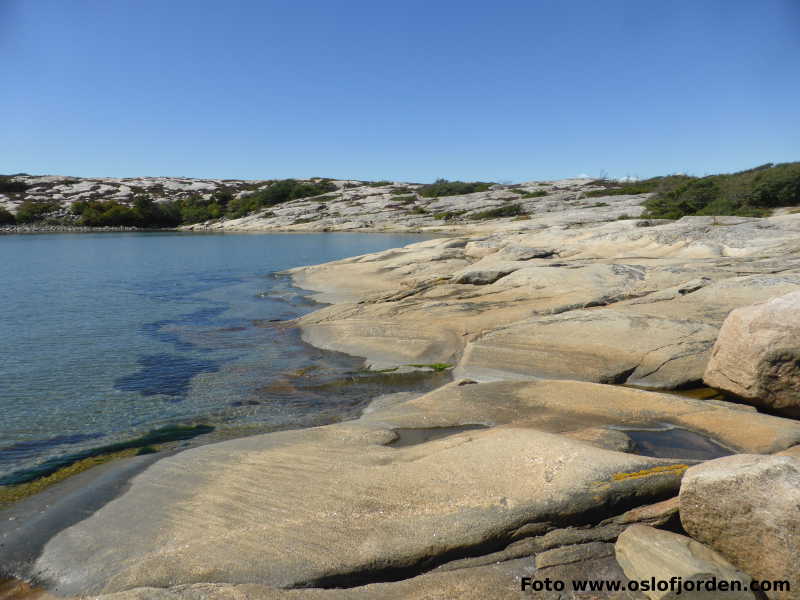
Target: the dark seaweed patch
(161, 435)
(164, 374)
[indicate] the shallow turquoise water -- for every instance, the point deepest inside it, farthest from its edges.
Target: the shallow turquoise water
(106, 336)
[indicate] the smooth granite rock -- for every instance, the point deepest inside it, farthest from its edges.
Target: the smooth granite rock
(587, 300)
(646, 553)
(747, 507)
(336, 504)
(757, 355)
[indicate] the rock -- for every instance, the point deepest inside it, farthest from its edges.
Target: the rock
(793, 452)
(757, 355)
(334, 505)
(650, 300)
(747, 507)
(491, 582)
(646, 553)
(485, 272)
(655, 515)
(604, 346)
(480, 248)
(513, 252)
(603, 437)
(572, 554)
(570, 407)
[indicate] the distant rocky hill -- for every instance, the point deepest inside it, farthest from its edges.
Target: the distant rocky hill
(67, 190)
(324, 204)
(350, 205)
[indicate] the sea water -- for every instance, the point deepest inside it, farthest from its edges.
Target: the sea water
(107, 336)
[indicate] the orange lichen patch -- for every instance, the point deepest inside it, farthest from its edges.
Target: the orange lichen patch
(666, 469)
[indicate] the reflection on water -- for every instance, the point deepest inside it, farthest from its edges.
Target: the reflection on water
(668, 441)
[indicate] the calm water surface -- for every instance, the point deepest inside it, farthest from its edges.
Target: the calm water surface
(104, 337)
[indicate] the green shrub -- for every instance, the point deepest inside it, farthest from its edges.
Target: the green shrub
(449, 215)
(400, 191)
(405, 199)
(442, 187)
(9, 185)
(144, 213)
(511, 210)
(30, 211)
(750, 193)
(377, 183)
(645, 186)
(535, 194)
(6, 218)
(281, 191)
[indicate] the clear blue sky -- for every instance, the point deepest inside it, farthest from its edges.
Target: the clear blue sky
(370, 89)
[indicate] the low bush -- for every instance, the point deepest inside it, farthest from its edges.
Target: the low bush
(535, 194)
(443, 187)
(30, 211)
(511, 210)
(6, 218)
(449, 215)
(750, 193)
(144, 213)
(645, 186)
(9, 185)
(377, 183)
(401, 191)
(281, 191)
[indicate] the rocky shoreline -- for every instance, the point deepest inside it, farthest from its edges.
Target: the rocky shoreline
(543, 459)
(40, 228)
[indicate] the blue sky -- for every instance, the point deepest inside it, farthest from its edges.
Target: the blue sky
(414, 90)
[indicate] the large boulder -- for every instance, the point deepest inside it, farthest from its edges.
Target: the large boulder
(747, 507)
(646, 553)
(757, 354)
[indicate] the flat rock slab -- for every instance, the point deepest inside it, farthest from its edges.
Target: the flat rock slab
(492, 582)
(607, 302)
(604, 346)
(336, 505)
(570, 407)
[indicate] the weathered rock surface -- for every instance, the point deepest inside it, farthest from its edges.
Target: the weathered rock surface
(585, 345)
(747, 507)
(573, 554)
(757, 354)
(602, 302)
(491, 582)
(336, 504)
(646, 553)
